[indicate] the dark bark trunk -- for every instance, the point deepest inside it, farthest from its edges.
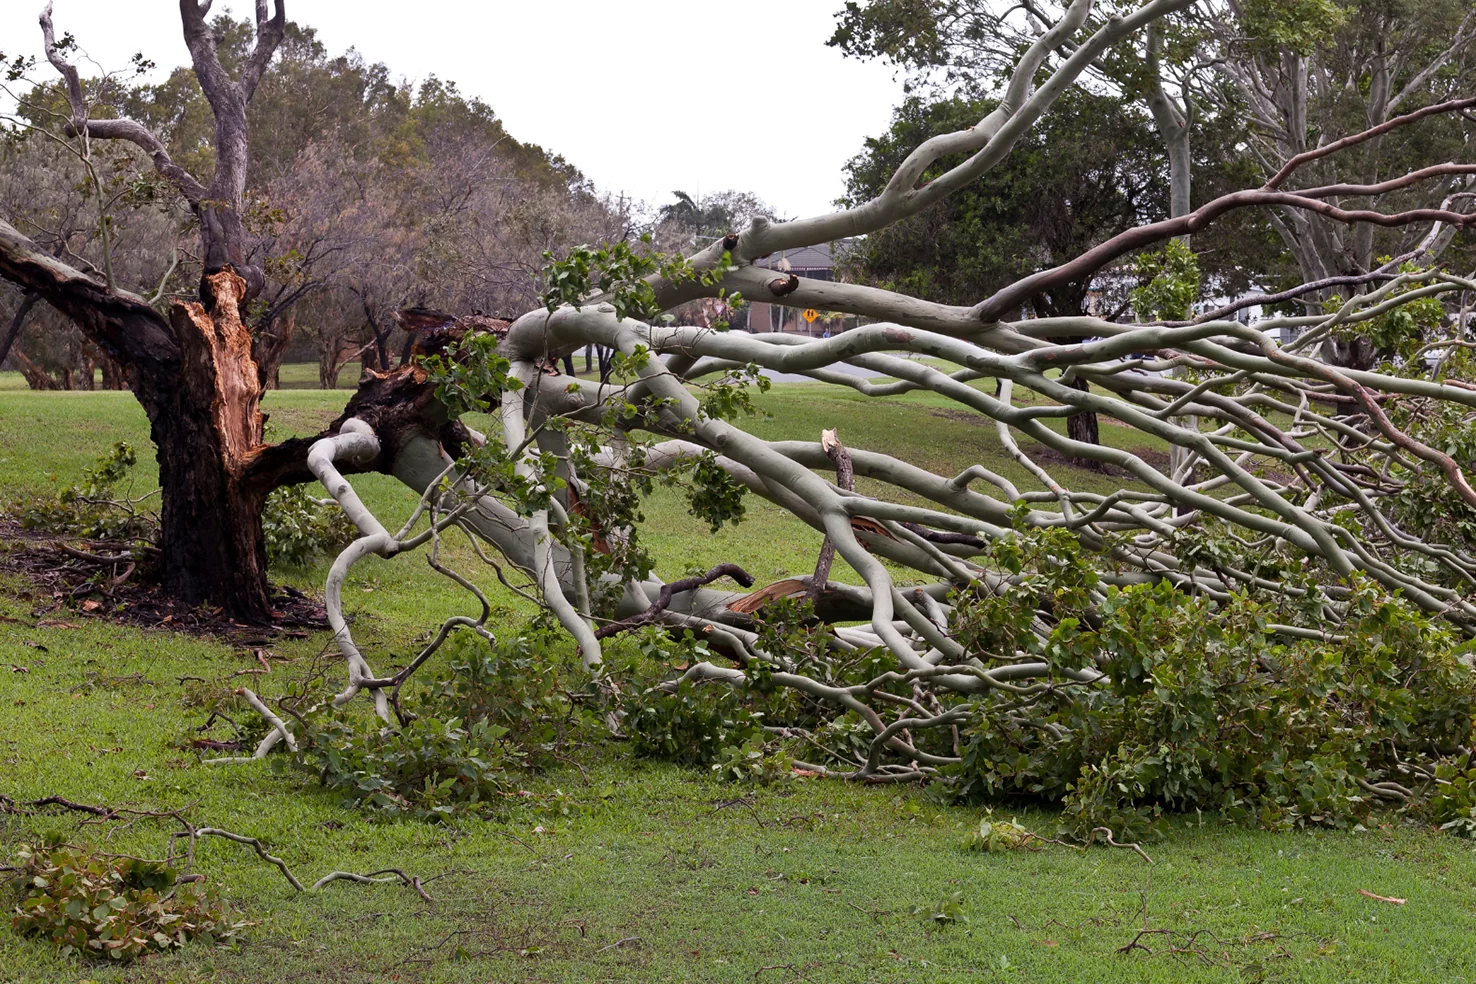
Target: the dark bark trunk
(113, 376)
(1352, 353)
(212, 549)
(269, 348)
(378, 354)
(36, 377)
(17, 322)
(208, 430)
(87, 370)
(1072, 300)
(1083, 427)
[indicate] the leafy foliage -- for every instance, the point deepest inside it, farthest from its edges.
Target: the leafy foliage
(96, 508)
(946, 911)
(715, 496)
(995, 836)
(623, 275)
(299, 529)
(1160, 700)
(1170, 283)
(519, 684)
(1204, 707)
(499, 711)
(472, 376)
(1295, 25)
(113, 908)
(691, 723)
(428, 769)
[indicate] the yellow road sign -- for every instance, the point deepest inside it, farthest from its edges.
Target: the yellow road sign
(810, 315)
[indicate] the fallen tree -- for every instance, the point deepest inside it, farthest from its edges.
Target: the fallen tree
(1325, 496)
(1012, 597)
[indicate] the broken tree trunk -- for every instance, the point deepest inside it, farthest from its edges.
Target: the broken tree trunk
(194, 376)
(845, 478)
(208, 431)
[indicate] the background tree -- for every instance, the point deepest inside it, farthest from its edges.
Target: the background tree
(1304, 73)
(441, 203)
(1089, 171)
(711, 217)
(1315, 72)
(192, 370)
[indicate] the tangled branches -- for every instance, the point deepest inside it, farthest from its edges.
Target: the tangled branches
(1270, 627)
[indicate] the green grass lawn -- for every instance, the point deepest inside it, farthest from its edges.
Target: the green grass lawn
(625, 870)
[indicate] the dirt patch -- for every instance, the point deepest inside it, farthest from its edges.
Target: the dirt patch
(65, 586)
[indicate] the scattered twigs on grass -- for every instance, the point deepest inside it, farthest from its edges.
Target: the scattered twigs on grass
(380, 877)
(742, 801)
(104, 813)
(1200, 945)
(373, 878)
(1106, 833)
(627, 941)
(521, 842)
(491, 941)
(192, 834)
(195, 833)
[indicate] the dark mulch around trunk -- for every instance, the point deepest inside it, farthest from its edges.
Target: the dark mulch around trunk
(123, 592)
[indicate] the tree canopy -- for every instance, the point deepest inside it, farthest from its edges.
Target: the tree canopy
(1089, 171)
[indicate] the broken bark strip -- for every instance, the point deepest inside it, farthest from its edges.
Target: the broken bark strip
(216, 348)
(754, 600)
(845, 478)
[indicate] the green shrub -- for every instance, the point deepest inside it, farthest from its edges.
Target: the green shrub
(1453, 804)
(519, 684)
(1204, 709)
(497, 712)
(690, 723)
(429, 769)
(114, 908)
(299, 530)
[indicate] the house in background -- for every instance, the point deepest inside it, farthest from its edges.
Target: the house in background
(811, 262)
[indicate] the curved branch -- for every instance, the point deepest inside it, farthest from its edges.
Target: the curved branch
(115, 129)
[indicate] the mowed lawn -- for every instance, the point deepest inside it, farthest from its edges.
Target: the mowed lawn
(617, 869)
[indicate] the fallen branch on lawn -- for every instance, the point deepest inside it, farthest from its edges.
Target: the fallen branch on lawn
(192, 835)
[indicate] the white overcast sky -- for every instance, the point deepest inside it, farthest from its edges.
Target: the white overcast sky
(739, 95)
